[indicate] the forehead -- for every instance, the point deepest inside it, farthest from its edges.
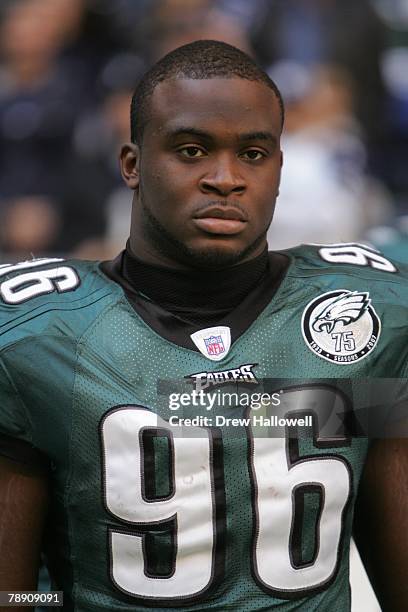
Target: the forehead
(215, 104)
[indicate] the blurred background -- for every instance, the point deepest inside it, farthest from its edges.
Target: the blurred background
(67, 72)
(68, 69)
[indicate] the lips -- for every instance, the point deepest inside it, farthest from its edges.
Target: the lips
(225, 220)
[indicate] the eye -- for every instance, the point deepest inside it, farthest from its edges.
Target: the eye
(253, 155)
(191, 152)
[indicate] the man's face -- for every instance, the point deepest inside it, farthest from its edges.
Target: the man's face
(208, 172)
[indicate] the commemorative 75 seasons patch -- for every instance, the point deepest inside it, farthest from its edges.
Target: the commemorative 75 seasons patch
(341, 326)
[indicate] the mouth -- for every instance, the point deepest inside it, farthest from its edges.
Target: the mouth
(222, 221)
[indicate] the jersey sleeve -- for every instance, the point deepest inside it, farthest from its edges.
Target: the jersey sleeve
(15, 427)
(45, 307)
(14, 421)
(26, 289)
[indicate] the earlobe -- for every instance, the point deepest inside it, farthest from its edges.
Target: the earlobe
(129, 164)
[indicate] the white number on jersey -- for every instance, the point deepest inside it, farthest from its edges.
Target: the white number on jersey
(357, 255)
(191, 504)
(279, 475)
(40, 282)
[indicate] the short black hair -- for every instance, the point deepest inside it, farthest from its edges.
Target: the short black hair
(201, 59)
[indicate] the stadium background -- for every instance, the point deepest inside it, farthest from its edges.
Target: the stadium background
(67, 72)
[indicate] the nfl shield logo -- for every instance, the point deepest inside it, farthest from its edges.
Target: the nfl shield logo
(215, 345)
(213, 342)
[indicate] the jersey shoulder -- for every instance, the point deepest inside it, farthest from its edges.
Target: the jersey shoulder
(351, 263)
(51, 295)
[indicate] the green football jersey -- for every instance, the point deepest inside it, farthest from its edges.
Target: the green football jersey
(212, 470)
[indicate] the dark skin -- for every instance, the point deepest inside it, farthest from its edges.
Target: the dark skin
(205, 152)
(381, 522)
(213, 188)
(24, 495)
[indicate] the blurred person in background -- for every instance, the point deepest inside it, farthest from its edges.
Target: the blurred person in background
(177, 22)
(341, 32)
(324, 156)
(391, 155)
(29, 225)
(39, 99)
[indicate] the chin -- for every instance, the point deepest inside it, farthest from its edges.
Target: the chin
(216, 256)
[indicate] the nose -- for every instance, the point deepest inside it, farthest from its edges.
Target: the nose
(224, 177)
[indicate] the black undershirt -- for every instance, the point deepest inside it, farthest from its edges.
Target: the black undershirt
(201, 297)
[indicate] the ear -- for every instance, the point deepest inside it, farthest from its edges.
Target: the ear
(281, 164)
(129, 165)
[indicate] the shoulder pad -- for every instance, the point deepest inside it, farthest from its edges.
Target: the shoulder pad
(352, 256)
(29, 290)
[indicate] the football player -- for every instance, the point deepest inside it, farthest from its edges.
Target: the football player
(107, 371)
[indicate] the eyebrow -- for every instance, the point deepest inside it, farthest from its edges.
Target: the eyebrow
(186, 130)
(258, 136)
(191, 131)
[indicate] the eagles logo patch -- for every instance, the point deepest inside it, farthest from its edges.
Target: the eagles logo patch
(341, 326)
